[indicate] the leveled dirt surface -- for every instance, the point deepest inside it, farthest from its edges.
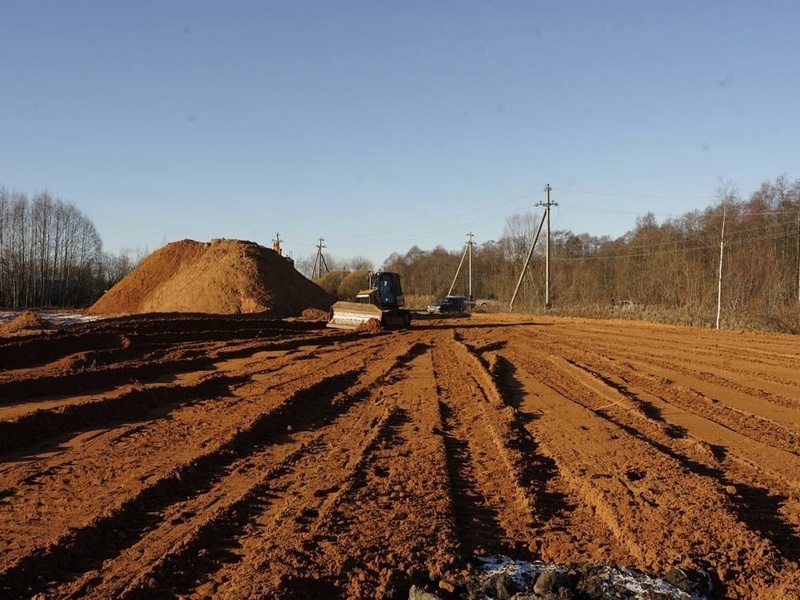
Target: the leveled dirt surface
(235, 457)
(220, 277)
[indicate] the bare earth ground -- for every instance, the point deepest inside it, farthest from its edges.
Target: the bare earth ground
(230, 457)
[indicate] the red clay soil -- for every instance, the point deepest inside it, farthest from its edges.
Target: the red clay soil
(219, 277)
(25, 322)
(315, 314)
(369, 326)
(240, 457)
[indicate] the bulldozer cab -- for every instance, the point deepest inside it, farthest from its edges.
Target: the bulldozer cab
(390, 294)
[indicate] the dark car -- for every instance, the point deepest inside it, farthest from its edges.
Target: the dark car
(450, 304)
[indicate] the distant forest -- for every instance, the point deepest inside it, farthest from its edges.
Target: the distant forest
(666, 271)
(51, 254)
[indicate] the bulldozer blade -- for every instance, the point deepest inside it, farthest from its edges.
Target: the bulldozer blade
(350, 315)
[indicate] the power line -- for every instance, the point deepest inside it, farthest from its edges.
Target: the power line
(460, 221)
(735, 243)
(630, 195)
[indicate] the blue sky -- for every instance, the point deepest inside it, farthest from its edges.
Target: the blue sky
(381, 125)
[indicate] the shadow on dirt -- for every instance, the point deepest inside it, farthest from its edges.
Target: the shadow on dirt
(754, 506)
(106, 537)
(476, 520)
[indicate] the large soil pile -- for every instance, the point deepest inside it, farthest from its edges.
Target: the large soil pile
(221, 276)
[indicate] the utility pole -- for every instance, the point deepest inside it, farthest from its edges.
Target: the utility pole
(721, 252)
(525, 266)
(276, 244)
(467, 251)
(798, 256)
(319, 261)
(547, 204)
(470, 266)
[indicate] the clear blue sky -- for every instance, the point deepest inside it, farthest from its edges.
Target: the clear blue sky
(380, 125)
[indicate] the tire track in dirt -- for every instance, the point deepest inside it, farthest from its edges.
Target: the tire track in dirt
(494, 501)
(724, 366)
(769, 441)
(71, 470)
(615, 465)
(763, 497)
(292, 514)
(30, 422)
(566, 530)
(129, 337)
(755, 507)
(100, 538)
(752, 416)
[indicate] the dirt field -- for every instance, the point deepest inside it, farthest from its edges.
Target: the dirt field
(235, 457)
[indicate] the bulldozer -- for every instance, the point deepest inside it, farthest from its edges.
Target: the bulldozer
(382, 300)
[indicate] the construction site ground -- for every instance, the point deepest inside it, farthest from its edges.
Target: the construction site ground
(202, 456)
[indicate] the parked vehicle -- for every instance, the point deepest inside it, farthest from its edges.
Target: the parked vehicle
(450, 304)
(487, 305)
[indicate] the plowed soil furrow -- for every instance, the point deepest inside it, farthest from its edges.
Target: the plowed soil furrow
(725, 367)
(754, 427)
(85, 414)
(722, 374)
(678, 418)
(107, 378)
(567, 529)
(769, 359)
(758, 416)
(683, 438)
(129, 337)
(217, 490)
(81, 374)
(295, 508)
(26, 425)
(773, 393)
(753, 348)
(82, 546)
(67, 479)
(613, 471)
(492, 508)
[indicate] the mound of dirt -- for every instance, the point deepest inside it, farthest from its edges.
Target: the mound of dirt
(314, 314)
(221, 277)
(25, 322)
(370, 326)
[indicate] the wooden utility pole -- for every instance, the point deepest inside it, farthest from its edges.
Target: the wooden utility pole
(525, 266)
(467, 253)
(547, 204)
(721, 251)
(469, 245)
(319, 261)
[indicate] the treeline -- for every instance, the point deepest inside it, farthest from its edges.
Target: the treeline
(51, 254)
(666, 271)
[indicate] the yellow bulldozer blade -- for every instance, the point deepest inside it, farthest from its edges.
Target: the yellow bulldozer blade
(349, 315)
